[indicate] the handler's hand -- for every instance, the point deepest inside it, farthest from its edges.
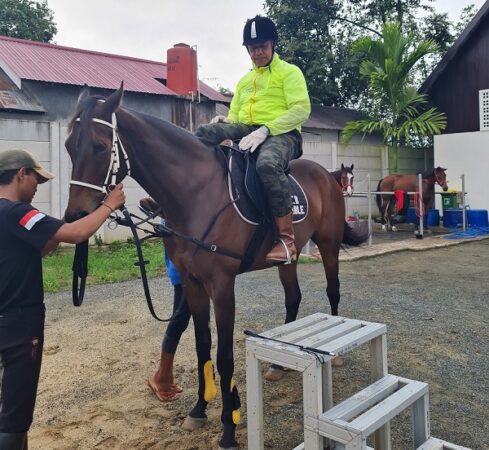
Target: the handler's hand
(220, 119)
(116, 197)
(254, 139)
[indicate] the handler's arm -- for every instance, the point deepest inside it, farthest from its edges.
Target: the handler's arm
(82, 229)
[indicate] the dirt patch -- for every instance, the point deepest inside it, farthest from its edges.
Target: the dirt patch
(93, 391)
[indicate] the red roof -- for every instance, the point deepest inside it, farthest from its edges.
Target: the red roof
(29, 60)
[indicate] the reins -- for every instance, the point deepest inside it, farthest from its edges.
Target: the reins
(80, 262)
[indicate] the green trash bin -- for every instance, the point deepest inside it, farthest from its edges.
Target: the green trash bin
(449, 200)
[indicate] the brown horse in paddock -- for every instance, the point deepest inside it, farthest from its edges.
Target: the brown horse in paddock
(189, 181)
(388, 204)
(344, 177)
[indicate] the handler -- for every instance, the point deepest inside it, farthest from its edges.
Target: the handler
(26, 235)
(270, 105)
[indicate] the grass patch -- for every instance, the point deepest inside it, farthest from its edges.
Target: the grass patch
(106, 264)
(109, 264)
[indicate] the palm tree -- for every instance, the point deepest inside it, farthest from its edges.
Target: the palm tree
(397, 106)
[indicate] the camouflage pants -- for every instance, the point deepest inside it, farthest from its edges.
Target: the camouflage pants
(273, 158)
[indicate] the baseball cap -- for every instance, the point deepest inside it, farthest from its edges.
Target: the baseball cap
(16, 159)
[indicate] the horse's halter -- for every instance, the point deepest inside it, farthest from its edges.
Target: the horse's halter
(348, 186)
(115, 159)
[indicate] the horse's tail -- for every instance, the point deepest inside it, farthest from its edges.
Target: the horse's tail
(355, 235)
(378, 198)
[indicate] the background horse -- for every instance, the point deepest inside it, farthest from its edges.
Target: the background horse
(188, 179)
(388, 203)
(344, 177)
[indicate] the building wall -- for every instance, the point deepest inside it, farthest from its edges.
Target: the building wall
(457, 88)
(46, 141)
(370, 159)
(465, 154)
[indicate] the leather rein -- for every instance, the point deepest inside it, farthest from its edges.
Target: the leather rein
(80, 261)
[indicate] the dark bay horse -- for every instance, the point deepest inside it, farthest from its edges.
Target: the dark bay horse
(388, 203)
(189, 181)
(344, 177)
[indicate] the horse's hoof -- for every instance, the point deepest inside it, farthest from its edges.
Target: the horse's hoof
(394, 228)
(274, 374)
(337, 361)
(193, 423)
(384, 228)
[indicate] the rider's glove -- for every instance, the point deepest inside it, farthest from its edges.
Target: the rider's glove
(220, 119)
(253, 140)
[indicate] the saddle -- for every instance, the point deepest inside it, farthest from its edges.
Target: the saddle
(247, 191)
(249, 198)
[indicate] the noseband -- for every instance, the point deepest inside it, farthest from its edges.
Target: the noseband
(115, 159)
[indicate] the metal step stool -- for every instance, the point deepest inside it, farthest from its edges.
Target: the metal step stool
(437, 444)
(333, 334)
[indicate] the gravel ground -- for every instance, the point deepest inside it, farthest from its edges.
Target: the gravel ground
(93, 391)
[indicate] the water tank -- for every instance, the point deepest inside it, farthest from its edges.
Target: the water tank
(181, 69)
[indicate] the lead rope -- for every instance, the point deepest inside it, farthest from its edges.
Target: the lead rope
(80, 271)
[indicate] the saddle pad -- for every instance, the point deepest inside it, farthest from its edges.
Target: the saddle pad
(244, 186)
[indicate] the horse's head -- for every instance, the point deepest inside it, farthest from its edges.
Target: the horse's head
(441, 177)
(96, 154)
(346, 179)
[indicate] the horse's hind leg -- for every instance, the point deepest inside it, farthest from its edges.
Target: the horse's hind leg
(293, 296)
(329, 254)
(292, 291)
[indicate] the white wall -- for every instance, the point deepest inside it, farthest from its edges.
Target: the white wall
(468, 154)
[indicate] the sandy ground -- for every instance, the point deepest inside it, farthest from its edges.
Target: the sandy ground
(97, 358)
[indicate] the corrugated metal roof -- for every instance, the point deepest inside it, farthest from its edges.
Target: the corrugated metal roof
(39, 61)
(12, 98)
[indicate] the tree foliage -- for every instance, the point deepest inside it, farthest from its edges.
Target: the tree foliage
(27, 19)
(398, 110)
(318, 35)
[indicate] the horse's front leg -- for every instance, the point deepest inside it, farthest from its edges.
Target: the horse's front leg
(224, 311)
(198, 302)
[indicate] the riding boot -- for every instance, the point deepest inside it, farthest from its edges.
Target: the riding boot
(283, 251)
(149, 205)
(13, 441)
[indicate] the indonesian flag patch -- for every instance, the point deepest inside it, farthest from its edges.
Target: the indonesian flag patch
(31, 218)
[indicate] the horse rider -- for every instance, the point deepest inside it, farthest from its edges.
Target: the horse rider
(269, 106)
(26, 235)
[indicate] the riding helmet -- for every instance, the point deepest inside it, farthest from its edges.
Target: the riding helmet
(258, 30)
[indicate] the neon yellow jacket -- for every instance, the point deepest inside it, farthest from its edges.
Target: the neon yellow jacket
(275, 96)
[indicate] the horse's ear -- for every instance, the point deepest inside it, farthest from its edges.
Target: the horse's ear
(351, 167)
(113, 102)
(84, 93)
(342, 166)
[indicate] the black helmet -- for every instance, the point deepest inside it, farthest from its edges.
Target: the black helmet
(259, 29)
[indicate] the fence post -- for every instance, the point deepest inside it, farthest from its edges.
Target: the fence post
(464, 223)
(369, 210)
(421, 207)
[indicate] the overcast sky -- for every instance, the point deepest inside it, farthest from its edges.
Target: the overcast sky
(147, 28)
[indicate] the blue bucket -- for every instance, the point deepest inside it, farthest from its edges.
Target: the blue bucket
(477, 218)
(433, 219)
(411, 216)
(452, 217)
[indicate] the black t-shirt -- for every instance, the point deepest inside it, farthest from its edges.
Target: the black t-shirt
(24, 231)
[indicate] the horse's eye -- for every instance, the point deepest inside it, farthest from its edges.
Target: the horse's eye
(99, 148)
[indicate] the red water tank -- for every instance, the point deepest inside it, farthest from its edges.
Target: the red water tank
(181, 69)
